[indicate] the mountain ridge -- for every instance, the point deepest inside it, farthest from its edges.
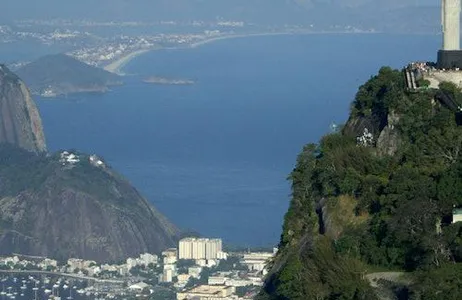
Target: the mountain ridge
(68, 204)
(377, 195)
(61, 74)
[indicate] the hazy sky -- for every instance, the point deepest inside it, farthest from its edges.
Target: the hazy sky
(250, 10)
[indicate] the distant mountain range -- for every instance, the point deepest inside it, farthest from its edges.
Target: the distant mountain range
(391, 15)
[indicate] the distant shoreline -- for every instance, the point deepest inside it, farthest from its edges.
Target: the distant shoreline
(118, 65)
(237, 36)
(246, 35)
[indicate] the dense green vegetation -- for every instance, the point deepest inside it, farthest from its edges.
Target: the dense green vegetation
(355, 210)
(21, 169)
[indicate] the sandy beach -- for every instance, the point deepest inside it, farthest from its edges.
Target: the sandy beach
(117, 65)
(235, 36)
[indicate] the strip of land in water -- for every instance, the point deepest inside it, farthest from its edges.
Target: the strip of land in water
(117, 65)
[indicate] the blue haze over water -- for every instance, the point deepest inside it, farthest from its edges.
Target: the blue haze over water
(214, 156)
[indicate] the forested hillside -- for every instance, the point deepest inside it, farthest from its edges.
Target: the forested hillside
(378, 196)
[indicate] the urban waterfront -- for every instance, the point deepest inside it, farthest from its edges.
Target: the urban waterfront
(195, 266)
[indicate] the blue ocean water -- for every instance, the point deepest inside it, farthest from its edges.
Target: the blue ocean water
(214, 156)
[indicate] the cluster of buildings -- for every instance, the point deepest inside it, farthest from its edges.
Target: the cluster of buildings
(67, 158)
(119, 47)
(247, 273)
(120, 24)
(179, 269)
(105, 53)
(92, 269)
(57, 36)
(70, 159)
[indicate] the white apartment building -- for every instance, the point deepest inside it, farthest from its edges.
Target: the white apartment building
(194, 248)
(198, 249)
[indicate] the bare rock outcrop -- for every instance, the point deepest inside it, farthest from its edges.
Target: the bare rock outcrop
(20, 122)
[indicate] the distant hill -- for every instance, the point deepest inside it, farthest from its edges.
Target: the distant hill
(85, 210)
(61, 74)
(66, 204)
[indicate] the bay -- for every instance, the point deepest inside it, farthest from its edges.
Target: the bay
(214, 156)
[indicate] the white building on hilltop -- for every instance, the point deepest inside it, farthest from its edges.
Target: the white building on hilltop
(67, 158)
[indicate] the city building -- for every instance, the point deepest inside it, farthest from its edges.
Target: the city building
(201, 262)
(195, 271)
(183, 279)
(170, 256)
(256, 261)
(147, 259)
(208, 292)
(131, 262)
(222, 255)
(48, 263)
(75, 263)
(167, 275)
(217, 280)
(144, 260)
(195, 248)
(139, 287)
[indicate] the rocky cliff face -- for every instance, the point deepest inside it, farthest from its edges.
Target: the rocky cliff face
(385, 135)
(20, 122)
(61, 210)
(62, 205)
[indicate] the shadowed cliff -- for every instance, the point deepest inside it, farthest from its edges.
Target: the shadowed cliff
(20, 122)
